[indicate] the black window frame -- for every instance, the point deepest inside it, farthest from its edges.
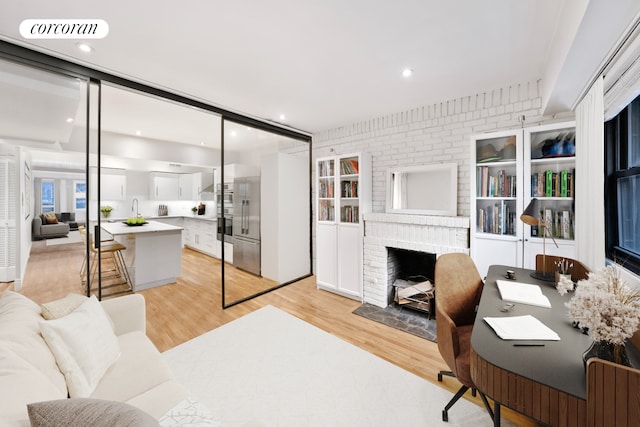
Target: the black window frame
(617, 142)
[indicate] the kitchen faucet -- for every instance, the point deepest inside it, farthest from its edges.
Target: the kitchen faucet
(135, 201)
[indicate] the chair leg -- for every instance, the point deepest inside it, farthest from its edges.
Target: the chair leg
(458, 395)
(446, 373)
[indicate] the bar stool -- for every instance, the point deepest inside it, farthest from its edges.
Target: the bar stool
(119, 267)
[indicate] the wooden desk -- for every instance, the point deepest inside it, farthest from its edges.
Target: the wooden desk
(546, 383)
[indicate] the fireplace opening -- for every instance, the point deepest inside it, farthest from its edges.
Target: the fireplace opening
(407, 268)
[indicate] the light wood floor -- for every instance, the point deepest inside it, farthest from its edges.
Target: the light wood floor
(178, 312)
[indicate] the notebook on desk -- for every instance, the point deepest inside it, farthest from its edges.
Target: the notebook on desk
(521, 328)
(523, 293)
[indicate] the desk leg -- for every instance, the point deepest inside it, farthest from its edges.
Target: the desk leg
(496, 414)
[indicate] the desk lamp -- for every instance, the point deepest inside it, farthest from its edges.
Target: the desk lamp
(532, 216)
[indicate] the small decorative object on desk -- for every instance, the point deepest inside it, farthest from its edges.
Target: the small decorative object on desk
(605, 306)
(106, 210)
(564, 268)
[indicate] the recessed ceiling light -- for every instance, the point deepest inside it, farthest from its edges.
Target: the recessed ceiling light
(282, 117)
(407, 72)
(84, 47)
(138, 133)
(70, 120)
(202, 143)
(234, 133)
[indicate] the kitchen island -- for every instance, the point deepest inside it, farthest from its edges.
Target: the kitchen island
(154, 252)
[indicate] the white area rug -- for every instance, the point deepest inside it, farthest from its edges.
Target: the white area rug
(72, 237)
(273, 369)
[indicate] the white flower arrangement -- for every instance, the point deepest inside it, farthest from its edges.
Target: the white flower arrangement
(605, 305)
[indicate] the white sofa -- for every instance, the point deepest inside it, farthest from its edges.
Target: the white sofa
(29, 371)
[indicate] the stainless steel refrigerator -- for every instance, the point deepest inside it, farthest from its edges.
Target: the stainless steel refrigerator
(246, 224)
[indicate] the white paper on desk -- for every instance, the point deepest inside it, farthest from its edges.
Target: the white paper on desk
(522, 293)
(521, 328)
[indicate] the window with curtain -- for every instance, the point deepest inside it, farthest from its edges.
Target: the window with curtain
(622, 191)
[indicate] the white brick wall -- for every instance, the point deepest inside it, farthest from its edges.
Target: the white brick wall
(437, 133)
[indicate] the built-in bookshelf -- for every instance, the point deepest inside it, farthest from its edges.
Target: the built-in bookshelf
(343, 195)
(509, 168)
(550, 170)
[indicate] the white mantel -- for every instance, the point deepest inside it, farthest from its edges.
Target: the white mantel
(433, 234)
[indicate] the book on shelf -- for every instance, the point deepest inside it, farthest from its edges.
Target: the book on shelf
(500, 185)
(325, 189)
(559, 221)
(325, 168)
(552, 184)
(566, 225)
(499, 218)
(349, 214)
(326, 211)
(349, 167)
(349, 189)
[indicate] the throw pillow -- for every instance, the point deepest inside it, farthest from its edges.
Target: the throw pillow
(60, 308)
(51, 218)
(83, 344)
(87, 412)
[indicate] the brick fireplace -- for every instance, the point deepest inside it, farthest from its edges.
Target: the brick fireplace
(431, 234)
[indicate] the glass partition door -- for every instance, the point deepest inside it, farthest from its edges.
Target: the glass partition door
(43, 143)
(264, 196)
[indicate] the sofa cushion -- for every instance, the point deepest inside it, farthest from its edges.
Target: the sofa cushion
(139, 368)
(20, 334)
(51, 218)
(160, 399)
(61, 307)
(87, 412)
(21, 383)
(83, 344)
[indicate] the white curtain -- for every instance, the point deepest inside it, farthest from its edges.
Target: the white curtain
(589, 197)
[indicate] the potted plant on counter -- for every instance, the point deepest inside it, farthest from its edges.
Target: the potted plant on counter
(194, 210)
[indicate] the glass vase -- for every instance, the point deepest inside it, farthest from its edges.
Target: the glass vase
(605, 350)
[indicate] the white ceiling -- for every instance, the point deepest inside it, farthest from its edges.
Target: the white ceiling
(328, 63)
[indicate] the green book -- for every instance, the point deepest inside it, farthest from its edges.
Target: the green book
(564, 183)
(548, 180)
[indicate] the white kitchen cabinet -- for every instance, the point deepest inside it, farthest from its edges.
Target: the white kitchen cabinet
(343, 195)
(164, 186)
(509, 168)
(199, 182)
(201, 236)
(185, 185)
(113, 184)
